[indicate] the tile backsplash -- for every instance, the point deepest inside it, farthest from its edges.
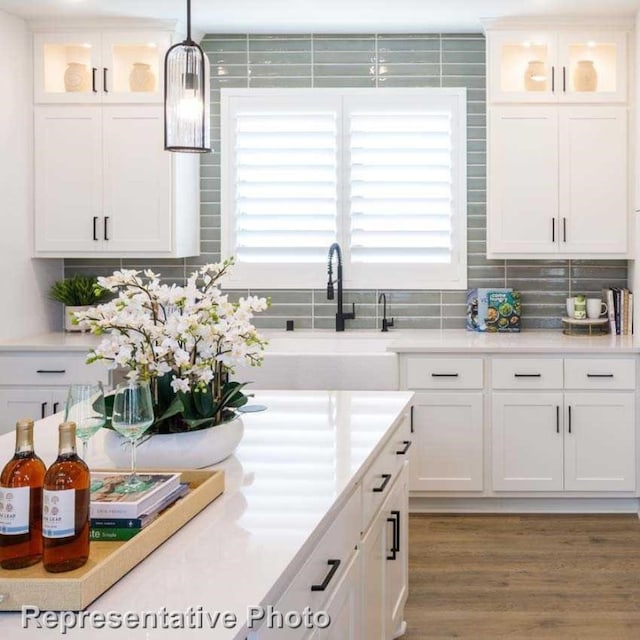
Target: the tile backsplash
(377, 60)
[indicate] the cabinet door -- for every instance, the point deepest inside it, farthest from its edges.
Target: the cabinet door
(593, 66)
(18, 403)
(527, 441)
(132, 66)
(374, 554)
(68, 178)
(599, 448)
(137, 182)
(397, 567)
(66, 67)
(522, 214)
(447, 442)
(521, 66)
(344, 606)
(593, 180)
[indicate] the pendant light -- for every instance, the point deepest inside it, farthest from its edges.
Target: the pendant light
(186, 96)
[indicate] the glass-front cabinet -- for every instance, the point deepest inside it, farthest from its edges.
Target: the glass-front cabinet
(565, 66)
(99, 67)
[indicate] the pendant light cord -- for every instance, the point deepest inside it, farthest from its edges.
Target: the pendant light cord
(189, 40)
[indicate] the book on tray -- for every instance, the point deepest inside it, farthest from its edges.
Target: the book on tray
(117, 529)
(108, 501)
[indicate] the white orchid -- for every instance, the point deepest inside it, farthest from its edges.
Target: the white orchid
(187, 339)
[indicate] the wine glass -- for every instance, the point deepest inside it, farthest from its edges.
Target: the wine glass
(85, 407)
(132, 416)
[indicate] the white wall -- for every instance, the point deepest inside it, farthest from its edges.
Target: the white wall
(24, 282)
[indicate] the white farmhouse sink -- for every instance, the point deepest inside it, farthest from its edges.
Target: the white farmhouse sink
(325, 360)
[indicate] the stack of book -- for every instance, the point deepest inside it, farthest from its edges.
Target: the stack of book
(120, 516)
(620, 310)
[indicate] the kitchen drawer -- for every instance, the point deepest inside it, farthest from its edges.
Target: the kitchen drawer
(378, 479)
(338, 543)
(49, 369)
(526, 373)
(600, 373)
(444, 373)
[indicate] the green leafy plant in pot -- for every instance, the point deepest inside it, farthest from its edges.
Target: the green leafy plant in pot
(77, 293)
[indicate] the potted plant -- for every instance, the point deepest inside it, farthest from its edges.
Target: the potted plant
(186, 341)
(77, 294)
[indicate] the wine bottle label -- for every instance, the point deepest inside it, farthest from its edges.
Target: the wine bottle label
(14, 510)
(58, 513)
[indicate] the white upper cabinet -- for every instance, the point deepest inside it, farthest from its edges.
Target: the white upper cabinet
(99, 66)
(558, 182)
(557, 66)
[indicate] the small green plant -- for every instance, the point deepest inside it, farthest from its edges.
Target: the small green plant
(79, 291)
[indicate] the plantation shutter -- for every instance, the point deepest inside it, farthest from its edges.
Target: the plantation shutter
(286, 183)
(401, 200)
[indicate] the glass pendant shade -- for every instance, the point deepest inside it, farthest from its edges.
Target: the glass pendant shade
(186, 99)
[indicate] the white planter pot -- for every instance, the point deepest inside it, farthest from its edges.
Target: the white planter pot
(189, 450)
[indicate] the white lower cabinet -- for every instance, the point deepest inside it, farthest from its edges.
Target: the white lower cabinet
(563, 442)
(34, 384)
(527, 441)
(344, 606)
(599, 444)
(34, 403)
(447, 450)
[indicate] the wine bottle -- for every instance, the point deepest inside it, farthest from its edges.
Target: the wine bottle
(21, 503)
(65, 507)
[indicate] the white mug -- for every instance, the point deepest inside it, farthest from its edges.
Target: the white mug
(571, 305)
(596, 308)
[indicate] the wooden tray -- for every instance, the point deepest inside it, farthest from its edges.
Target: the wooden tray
(108, 561)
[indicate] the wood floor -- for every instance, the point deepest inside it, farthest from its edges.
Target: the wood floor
(520, 577)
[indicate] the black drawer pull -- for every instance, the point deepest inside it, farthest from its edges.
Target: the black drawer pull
(445, 375)
(104, 79)
(599, 375)
(407, 444)
(385, 482)
(94, 70)
(395, 547)
(55, 407)
(43, 409)
(51, 371)
(95, 232)
(527, 375)
(334, 564)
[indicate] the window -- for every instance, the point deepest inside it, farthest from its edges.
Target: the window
(380, 171)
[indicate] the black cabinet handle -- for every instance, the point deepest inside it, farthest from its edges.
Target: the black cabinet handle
(553, 79)
(569, 419)
(553, 229)
(104, 79)
(106, 228)
(43, 409)
(94, 70)
(393, 551)
(564, 79)
(445, 375)
(411, 420)
(385, 482)
(95, 228)
(557, 419)
(334, 564)
(527, 375)
(564, 229)
(599, 375)
(395, 547)
(55, 407)
(51, 371)
(407, 444)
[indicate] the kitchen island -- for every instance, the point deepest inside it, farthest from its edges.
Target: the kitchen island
(308, 464)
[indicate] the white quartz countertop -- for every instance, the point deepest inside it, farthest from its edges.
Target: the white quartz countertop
(295, 466)
(394, 341)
